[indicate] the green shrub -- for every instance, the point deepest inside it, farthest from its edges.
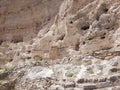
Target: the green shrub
(70, 75)
(37, 58)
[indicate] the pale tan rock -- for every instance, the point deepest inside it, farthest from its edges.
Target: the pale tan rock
(77, 40)
(54, 52)
(25, 18)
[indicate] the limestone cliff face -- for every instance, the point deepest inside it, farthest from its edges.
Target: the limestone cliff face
(69, 24)
(84, 26)
(60, 44)
(20, 20)
(60, 26)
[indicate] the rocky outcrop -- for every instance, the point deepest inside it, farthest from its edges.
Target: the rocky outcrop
(81, 26)
(45, 75)
(21, 20)
(61, 44)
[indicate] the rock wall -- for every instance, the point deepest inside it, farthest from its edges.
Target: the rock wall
(77, 46)
(68, 25)
(84, 26)
(24, 18)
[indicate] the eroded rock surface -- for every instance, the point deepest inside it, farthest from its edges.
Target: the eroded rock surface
(60, 44)
(21, 20)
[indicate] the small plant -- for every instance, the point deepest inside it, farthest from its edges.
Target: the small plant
(70, 75)
(67, 68)
(91, 71)
(37, 58)
(6, 69)
(4, 74)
